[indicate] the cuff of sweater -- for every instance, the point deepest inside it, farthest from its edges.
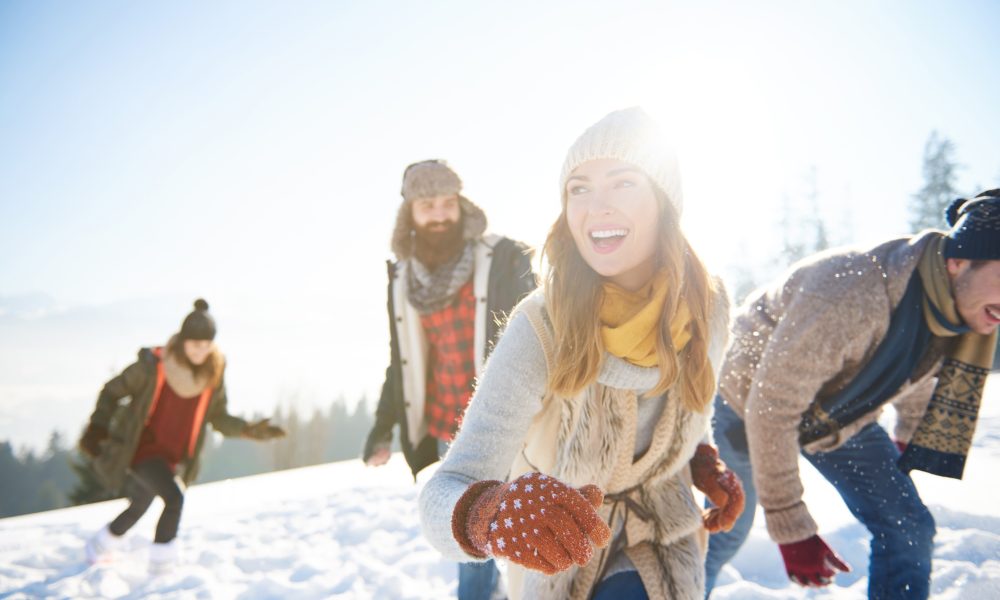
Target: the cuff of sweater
(464, 511)
(789, 525)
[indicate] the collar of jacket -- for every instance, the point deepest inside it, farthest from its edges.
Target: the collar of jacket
(412, 341)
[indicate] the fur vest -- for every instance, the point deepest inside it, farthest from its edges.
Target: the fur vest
(649, 502)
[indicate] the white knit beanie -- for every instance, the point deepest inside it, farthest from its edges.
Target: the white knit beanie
(631, 136)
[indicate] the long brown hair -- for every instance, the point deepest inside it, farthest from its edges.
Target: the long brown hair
(210, 370)
(573, 296)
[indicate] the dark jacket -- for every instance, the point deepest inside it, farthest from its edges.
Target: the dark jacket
(510, 279)
(122, 407)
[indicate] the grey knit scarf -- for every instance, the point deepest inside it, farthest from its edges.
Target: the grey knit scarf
(430, 291)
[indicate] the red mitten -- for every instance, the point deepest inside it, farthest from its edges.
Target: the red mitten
(811, 563)
(722, 487)
(535, 521)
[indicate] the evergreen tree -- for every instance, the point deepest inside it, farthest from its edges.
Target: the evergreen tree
(10, 471)
(88, 488)
(316, 438)
(34, 482)
(286, 451)
(928, 205)
(803, 231)
(791, 248)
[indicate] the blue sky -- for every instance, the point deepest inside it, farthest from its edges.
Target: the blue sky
(238, 127)
(251, 152)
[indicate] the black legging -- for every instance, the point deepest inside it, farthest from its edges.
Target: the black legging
(149, 479)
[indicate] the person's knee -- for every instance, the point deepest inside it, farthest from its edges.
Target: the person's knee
(923, 528)
(139, 505)
(910, 532)
(173, 500)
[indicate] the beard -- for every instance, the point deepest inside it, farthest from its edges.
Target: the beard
(438, 242)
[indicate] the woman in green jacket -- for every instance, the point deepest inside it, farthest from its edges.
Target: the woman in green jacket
(148, 428)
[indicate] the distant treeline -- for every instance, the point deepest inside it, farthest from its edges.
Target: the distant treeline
(59, 477)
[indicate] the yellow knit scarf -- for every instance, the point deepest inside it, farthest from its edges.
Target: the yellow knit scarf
(629, 321)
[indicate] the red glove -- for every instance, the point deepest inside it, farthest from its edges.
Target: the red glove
(90, 442)
(535, 521)
(722, 487)
(811, 563)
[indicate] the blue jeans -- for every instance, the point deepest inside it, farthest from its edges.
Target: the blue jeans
(878, 494)
(626, 585)
(476, 580)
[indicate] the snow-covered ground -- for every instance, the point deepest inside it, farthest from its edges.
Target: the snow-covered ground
(343, 531)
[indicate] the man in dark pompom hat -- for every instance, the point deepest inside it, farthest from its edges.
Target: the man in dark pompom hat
(814, 358)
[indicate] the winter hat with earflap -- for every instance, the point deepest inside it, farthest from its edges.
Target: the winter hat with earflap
(975, 227)
(198, 325)
(631, 136)
(429, 178)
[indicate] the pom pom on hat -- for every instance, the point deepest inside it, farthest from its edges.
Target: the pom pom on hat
(975, 227)
(198, 325)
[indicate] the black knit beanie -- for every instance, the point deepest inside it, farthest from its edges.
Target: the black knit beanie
(975, 227)
(199, 325)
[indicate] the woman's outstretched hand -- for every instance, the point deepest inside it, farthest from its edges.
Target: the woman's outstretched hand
(262, 430)
(535, 521)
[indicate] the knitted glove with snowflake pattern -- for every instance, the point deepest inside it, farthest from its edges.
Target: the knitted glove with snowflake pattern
(535, 521)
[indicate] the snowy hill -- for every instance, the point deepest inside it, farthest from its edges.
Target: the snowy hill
(343, 531)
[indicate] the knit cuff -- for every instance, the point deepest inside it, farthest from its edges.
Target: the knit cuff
(789, 525)
(466, 510)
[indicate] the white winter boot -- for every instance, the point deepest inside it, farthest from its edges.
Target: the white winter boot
(163, 558)
(101, 547)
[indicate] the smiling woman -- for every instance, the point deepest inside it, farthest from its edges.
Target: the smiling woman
(612, 214)
(594, 402)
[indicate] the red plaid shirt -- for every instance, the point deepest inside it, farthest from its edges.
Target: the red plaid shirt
(451, 366)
